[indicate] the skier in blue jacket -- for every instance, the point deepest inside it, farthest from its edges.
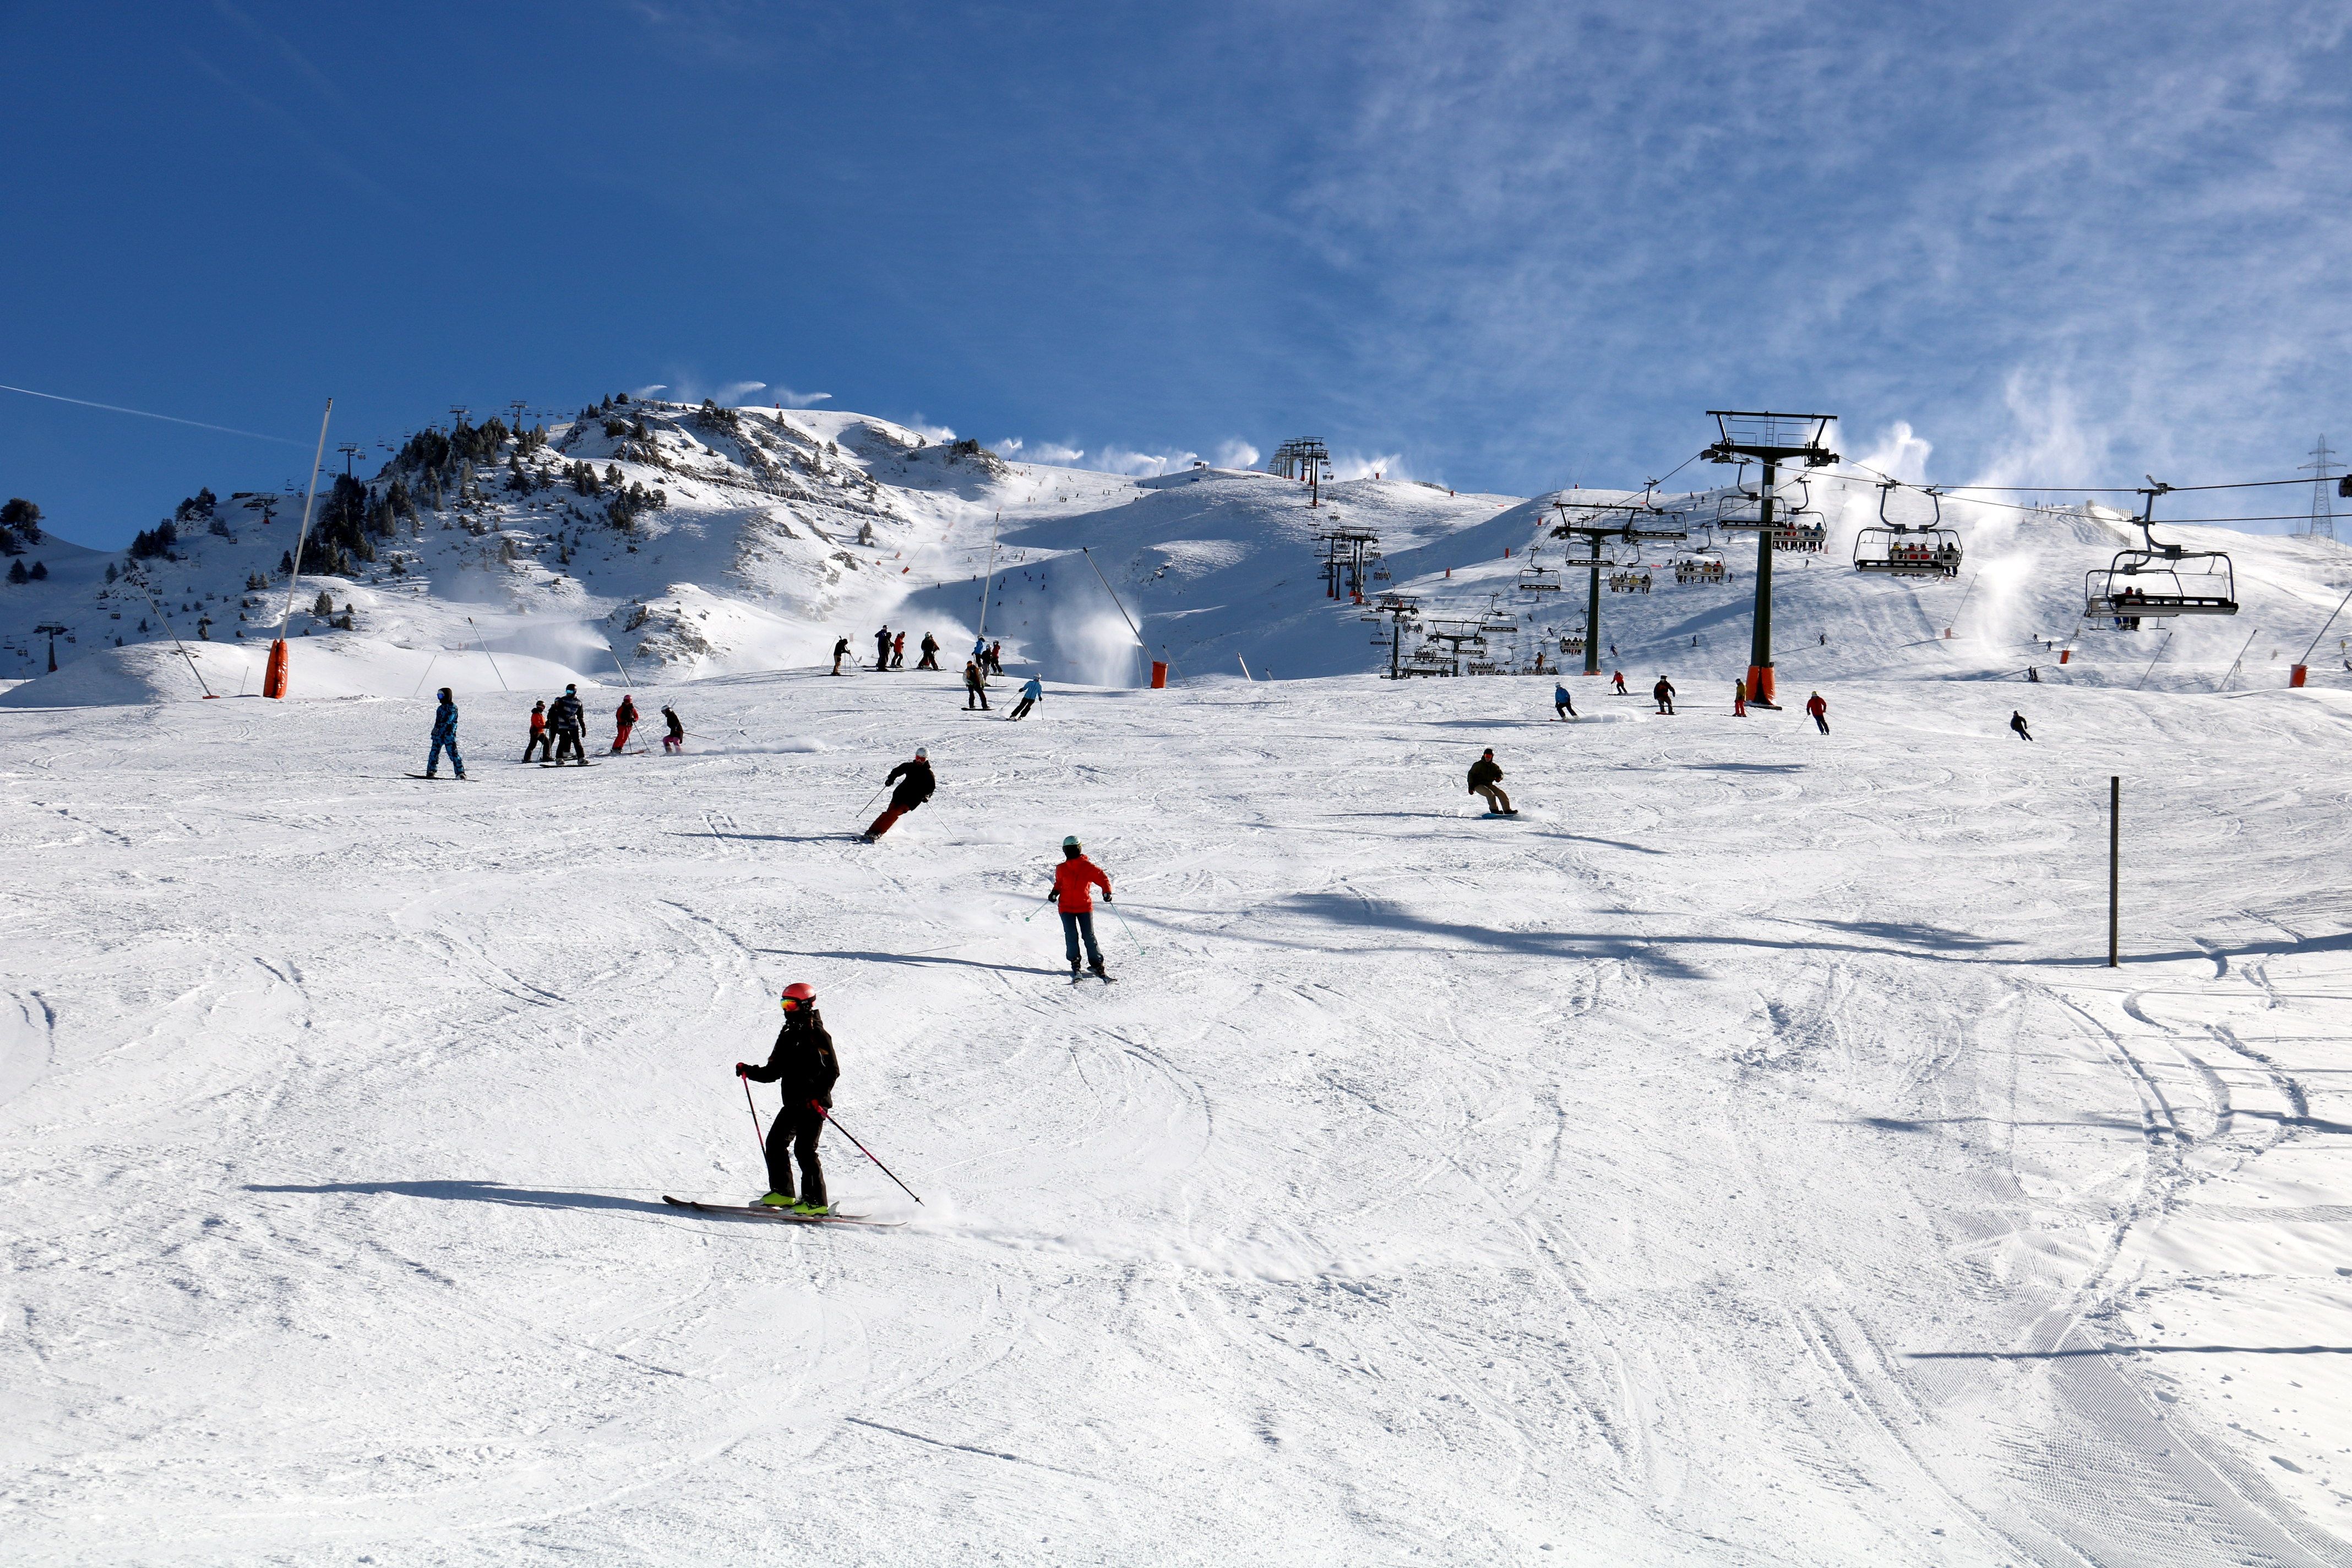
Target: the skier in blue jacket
(445, 733)
(1560, 705)
(1032, 690)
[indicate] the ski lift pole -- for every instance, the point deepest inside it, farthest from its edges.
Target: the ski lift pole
(2303, 663)
(2232, 673)
(826, 1112)
(176, 642)
(989, 582)
(2114, 866)
(2151, 663)
(273, 683)
(1114, 598)
(485, 654)
(1963, 605)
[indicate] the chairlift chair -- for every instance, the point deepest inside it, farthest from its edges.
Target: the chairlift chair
(2160, 579)
(1891, 549)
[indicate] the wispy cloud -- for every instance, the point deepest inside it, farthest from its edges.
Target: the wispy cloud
(1895, 214)
(312, 145)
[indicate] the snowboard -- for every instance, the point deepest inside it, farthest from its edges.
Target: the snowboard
(567, 765)
(436, 778)
(755, 1211)
(1106, 979)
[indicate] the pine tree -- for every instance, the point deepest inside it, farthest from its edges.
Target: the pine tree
(323, 605)
(17, 572)
(39, 572)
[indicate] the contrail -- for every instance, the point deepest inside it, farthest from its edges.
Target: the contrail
(168, 419)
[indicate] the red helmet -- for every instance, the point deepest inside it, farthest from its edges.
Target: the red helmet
(799, 993)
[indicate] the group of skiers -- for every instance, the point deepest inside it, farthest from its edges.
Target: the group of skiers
(555, 731)
(804, 1065)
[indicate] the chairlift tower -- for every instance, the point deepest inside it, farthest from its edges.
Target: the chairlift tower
(1772, 439)
(52, 631)
(1398, 608)
(1304, 458)
(1347, 554)
(2322, 469)
(1621, 522)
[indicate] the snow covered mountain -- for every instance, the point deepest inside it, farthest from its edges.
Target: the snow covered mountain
(646, 542)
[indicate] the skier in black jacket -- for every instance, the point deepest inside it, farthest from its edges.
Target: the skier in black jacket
(566, 718)
(914, 786)
(803, 1066)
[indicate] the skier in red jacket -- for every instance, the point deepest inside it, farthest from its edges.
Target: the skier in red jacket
(1072, 878)
(1819, 710)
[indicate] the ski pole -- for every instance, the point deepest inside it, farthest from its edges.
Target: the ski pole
(871, 798)
(1033, 914)
(752, 1106)
(1122, 920)
(862, 1149)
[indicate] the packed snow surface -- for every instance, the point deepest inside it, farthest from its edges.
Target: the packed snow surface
(1744, 1155)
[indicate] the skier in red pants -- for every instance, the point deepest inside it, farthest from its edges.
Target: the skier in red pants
(914, 786)
(624, 719)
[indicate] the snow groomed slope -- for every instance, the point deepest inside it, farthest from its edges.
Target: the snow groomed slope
(1743, 1156)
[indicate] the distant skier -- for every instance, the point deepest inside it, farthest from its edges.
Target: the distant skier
(931, 646)
(540, 742)
(1031, 691)
(1825, 639)
(1819, 710)
(2017, 722)
(567, 718)
(444, 735)
(914, 786)
(1487, 780)
(676, 740)
(1664, 693)
(979, 650)
(840, 652)
(1618, 677)
(995, 660)
(803, 1066)
(2033, 674)
(1740, 698)
(1560, 706)
(882, 648)
(898, 651)
(624, 719)
(1072, 879)
(975, 686)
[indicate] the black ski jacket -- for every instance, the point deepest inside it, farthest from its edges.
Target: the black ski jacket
(919, 784)
(626, 714)
(803, 1064)
(565, 716)
(1483, 772)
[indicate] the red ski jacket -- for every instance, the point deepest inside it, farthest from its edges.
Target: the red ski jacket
(1071, 878)
(1816, 706)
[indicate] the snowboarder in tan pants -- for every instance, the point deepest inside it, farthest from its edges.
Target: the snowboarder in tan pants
(1487, 781)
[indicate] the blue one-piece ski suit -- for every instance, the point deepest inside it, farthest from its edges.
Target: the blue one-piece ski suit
(444, 734)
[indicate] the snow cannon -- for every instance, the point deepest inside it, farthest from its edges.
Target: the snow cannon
(273, 677)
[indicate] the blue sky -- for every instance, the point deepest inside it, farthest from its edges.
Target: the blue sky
(1503, 245)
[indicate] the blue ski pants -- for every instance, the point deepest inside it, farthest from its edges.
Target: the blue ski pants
(1075, 926)
(457, 762)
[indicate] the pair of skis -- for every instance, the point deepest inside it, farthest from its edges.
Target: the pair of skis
(761, 1211)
